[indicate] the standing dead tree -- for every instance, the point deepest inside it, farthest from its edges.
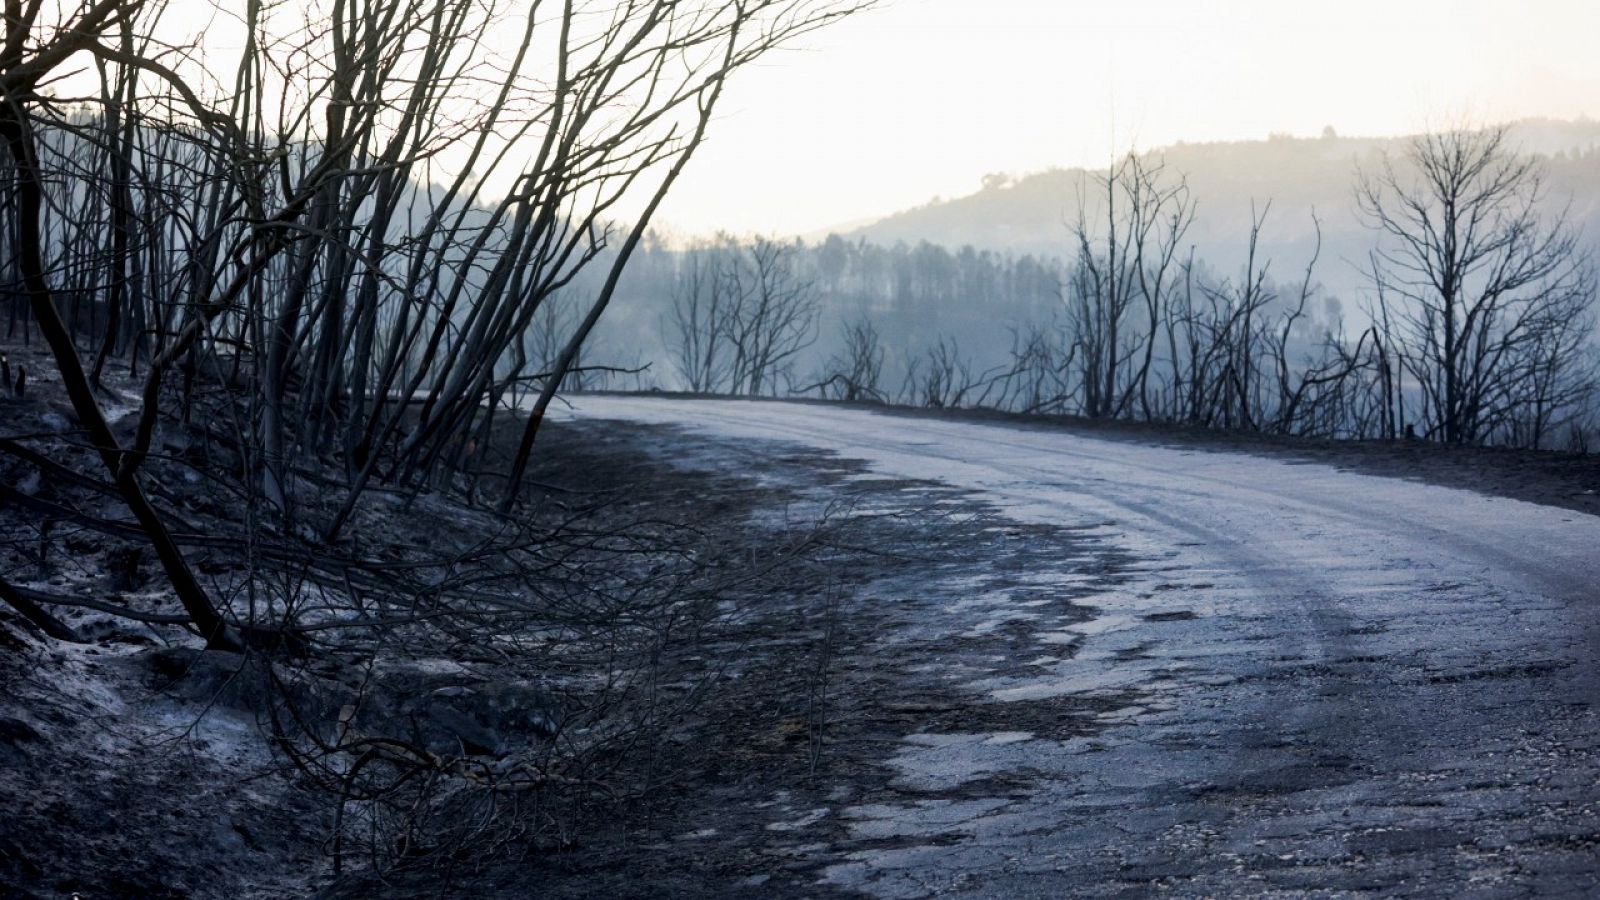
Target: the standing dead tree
(1486, 300)
(741, 315)
(345, 222)
(853, 374)
(38, 43)
(325, 241)
(1327, 394)
(1128, 265)
(1040, 378)
(948, 381)
(698, 319)
(1238, 330)
(774, 317)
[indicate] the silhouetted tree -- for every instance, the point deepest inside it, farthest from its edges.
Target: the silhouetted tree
(1488, 298)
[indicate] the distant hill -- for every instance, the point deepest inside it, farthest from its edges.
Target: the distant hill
(1030, 214)
(910, 273)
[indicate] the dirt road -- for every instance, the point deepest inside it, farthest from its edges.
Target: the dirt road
(1297, 679)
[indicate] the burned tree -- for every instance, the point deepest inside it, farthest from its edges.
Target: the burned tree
(1123, 266)
(741, 315)
(699, 319)
(306, 271)
(854, 372)
(774, 318)
(1487, 297)
(346, 224)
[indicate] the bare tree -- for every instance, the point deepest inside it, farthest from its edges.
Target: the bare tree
(1238, 331)
(854, 372)
(1040, 379)
(335, 247)
(1126, 262)
(741, 315)
(774, 316)
(347, 223)
(1490, 296)
(949, 381)
(701, 306)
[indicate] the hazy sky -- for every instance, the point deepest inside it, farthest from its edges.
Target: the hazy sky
(922, 97)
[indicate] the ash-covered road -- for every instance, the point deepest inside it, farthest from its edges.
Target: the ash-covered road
(1311, 681)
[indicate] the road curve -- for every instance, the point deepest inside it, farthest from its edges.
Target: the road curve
(1342, 684)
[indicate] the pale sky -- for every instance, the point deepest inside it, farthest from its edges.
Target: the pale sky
(923, 97)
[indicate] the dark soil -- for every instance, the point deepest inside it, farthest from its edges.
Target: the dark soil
(820, 696)
(138, 766)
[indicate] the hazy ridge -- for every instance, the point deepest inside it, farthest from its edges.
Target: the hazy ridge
(1030, 213)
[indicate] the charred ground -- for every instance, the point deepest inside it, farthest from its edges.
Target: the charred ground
(830, 614)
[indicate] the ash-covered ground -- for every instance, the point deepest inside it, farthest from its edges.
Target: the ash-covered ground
(971, 659)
